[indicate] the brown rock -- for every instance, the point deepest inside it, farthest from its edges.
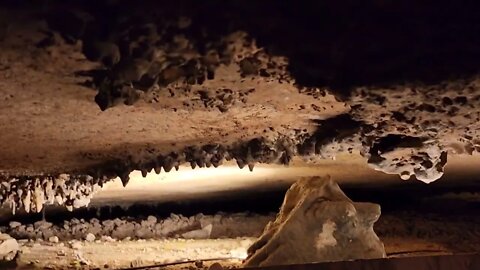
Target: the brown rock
(215, 266)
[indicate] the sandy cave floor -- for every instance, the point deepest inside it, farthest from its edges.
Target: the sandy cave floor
(125, 254)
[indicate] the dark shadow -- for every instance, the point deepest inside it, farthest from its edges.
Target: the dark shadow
(332, 44)
(343, 44)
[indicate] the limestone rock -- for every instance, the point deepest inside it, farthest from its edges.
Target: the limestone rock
(14, 224)
(407, 156)
(76, 244)
(90, 237)
(151, 220)
(318, 223)
(53, 239)
(8, 247)
(203, 233)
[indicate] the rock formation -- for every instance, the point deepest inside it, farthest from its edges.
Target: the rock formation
(316, 223)
(8, 247)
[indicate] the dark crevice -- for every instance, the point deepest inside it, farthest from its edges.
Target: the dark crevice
(336, 128)
(394, 141)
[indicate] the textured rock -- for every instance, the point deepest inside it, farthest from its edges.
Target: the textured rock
(201, 226)
(425, 161)
(8, 247)
(53, 239)
(203, 233)
(31, 193)
(14, 224)
(90, 237)
(193, 63)
(318, 222)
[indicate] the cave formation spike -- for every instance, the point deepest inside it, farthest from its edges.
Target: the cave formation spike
(217, 163)
(240, 163)
(168, 166)
(125, 178)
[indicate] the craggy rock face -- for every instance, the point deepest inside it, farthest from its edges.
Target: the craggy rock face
(316, 223)
(96, 89)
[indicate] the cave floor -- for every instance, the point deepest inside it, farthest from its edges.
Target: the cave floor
(126, 254)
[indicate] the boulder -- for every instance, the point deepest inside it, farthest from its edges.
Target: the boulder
(317, 222)
(8, 247)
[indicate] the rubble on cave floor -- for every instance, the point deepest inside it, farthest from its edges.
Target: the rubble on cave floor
(155, 239)
(200, 226)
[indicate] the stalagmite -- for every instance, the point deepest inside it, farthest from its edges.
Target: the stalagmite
(317, 223)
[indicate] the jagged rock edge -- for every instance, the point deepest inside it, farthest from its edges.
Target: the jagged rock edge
(31, 193)
(334, 135)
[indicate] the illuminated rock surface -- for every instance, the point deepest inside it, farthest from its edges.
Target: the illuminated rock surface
(8, 247)
(316, 223)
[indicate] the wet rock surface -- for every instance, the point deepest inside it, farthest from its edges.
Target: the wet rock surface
(316, 223)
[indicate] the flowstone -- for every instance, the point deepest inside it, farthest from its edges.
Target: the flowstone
(318, 223)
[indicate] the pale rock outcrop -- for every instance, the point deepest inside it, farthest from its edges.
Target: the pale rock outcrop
(8, 247)
(317, 223)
